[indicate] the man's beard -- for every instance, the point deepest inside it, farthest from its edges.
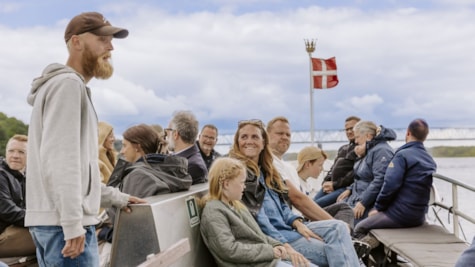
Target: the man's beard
(96, 66)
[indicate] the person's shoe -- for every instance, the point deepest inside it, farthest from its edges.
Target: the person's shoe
(370, 240)
(362, 248)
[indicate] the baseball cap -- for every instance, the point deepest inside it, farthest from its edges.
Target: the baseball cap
(95, 23)
(308, 153)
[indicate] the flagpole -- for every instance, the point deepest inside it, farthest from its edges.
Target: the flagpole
(310, 47)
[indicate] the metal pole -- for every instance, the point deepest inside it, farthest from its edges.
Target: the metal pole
(310, 47)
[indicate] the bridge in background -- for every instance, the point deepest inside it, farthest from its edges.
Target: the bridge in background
(332, 139)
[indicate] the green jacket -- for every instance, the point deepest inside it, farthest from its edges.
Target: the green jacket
(234, 238)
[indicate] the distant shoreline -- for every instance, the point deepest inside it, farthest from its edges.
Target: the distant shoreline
(436, 152)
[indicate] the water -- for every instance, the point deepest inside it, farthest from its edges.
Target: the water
(461, 169)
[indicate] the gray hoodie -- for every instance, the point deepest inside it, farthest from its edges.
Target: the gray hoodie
(63, 184)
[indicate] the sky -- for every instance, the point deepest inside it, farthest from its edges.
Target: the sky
(231, 60)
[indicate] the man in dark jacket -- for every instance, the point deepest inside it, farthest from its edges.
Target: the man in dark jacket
(404, 196)
(15, 239)
(341, 173)
(181, 136)
(206, 142)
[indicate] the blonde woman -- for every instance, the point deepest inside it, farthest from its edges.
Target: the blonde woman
(227, 227)
(107, 153)
(375, 154)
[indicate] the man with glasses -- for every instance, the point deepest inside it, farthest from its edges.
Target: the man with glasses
(206, 142)
(181, 135)
(341, 173)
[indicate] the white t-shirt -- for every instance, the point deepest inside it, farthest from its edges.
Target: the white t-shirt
(289, 173)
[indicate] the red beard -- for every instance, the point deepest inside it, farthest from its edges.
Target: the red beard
(97, 66)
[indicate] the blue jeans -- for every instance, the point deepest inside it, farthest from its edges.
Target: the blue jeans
(337, 248)
(468, 256)
(378, 221)
(49, 241)
(324, 199)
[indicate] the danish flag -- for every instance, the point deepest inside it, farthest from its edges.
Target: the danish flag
(324, 73)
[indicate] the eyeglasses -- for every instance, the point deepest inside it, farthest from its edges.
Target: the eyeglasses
(256, 122)
(211, 138)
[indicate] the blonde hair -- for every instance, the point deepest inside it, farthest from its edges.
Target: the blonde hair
(221, 170)
(367, 127)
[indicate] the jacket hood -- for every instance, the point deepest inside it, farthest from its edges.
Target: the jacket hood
(49, 72)
(173, 170)
(384, 135)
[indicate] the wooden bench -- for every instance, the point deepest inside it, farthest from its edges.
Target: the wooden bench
(427, 245)
(155, 227)
(169, 256)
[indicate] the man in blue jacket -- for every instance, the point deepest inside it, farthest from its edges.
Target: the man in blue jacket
(403, 199)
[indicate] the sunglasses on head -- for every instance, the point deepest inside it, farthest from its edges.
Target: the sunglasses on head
(251, 121)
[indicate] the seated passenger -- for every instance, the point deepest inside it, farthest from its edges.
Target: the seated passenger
(404, 197)
(149, 173)
(229, 230)
(15, 239)
(264, 196)
(107, 153)
(279, 133)
(206, 142)
(310, 164)
(375, 154)
(341, 173)
(181, 136)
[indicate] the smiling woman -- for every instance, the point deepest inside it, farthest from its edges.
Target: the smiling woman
(265, 194)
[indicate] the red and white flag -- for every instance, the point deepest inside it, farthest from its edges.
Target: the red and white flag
(324, 73)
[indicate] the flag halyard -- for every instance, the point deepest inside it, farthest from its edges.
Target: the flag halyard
(324, 73)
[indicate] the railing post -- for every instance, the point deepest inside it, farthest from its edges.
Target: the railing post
(455, 208)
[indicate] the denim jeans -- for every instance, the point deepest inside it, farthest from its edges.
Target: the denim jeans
(337, 248)
(287, 264)
(378, 221)
(49, 241)
(341, 211)
(324, 199)
(468, 256)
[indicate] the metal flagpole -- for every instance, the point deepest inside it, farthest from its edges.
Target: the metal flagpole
(310, 47)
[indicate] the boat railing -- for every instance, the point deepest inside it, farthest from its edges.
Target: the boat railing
(454, 208)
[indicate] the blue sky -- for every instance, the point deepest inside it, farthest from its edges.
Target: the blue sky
(240, 59)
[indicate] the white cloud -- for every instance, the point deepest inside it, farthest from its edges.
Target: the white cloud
(393, 65)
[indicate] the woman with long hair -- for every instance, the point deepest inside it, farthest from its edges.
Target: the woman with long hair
(107, 153)
(325, 243)
(229, 230)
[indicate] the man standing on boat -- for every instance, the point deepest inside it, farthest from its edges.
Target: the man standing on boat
(404, 196)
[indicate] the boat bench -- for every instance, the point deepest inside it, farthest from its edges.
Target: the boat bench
(426, 245)
(163, 232)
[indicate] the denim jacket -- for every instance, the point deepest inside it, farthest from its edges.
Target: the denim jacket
(275, 217)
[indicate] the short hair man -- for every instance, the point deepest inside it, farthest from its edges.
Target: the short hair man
(63, 185)
(404, 196)
(279, 133)
(341, 173)
(206, 142)
(181, 135)
(15, 239)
